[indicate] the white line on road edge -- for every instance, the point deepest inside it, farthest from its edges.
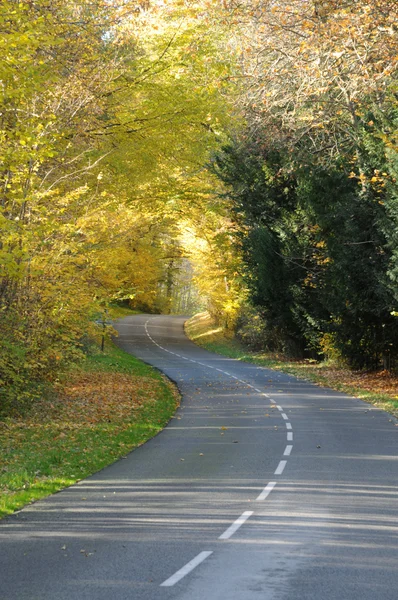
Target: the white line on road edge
(235, 526)
(204, 365)
(280, 467)
(186, 569)
(267, 490)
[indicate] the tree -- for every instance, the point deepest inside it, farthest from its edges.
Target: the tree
(105, 126)
(320, 113)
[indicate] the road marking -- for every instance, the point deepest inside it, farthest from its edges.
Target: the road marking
(186, 569)
(235, 526)
(280, 468)
(267, 490)
(282, 464)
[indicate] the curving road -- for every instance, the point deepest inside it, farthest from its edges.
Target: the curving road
(262, 487)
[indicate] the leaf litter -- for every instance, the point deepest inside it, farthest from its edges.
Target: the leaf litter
(94, 418)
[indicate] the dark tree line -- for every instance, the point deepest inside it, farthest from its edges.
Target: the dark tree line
(318, 254)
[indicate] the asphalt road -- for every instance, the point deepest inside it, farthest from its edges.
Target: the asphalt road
(262, 487)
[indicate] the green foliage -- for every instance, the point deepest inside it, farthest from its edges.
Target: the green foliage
(277, 243)
(355, 288)
(316, 253)
(313, 174)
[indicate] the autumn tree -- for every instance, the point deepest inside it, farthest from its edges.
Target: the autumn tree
(108, 113)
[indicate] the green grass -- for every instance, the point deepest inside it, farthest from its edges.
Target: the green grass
(117, 311)
(58, 442)
(203, 330)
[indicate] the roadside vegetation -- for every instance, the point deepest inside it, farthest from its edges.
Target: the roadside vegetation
(238, 156)
(96, 414)
(378, 388)
(233, 155)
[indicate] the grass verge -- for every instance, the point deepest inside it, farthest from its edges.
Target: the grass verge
(379, 389)
(104, 409)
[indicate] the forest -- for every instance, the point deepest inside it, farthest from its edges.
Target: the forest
(175, 155)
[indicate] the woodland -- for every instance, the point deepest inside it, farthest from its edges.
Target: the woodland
(174, 155)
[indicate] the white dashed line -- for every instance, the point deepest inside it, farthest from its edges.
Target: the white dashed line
(280, 468)
(264, 494)
(267, 490)
(235, 526)
(186, 569)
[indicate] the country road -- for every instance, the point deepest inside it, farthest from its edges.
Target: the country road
(263, 487)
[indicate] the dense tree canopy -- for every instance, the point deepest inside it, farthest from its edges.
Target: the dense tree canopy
(313, 176)
(108, 112)
(177, 154)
